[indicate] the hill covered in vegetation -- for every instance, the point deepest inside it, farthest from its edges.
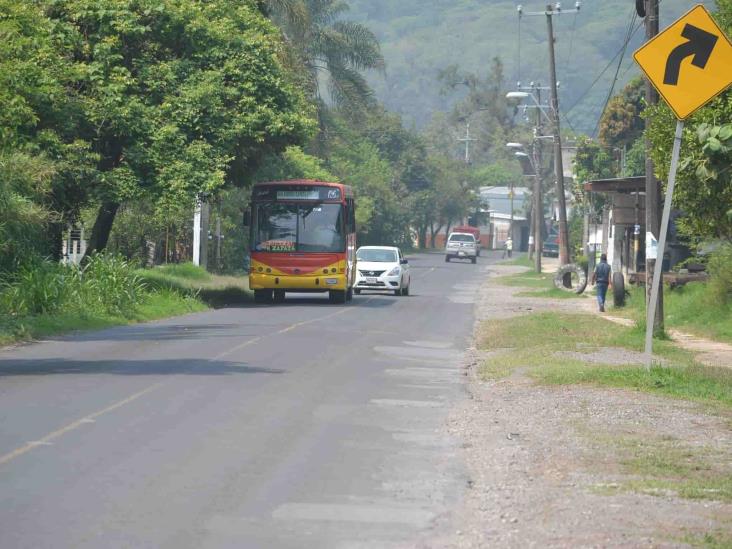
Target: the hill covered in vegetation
(421, 37)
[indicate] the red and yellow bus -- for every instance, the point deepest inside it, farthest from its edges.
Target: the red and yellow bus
(302, 239)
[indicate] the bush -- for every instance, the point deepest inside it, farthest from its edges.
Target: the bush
(111, 284)
(40, 287)
(188, 271)
(106, 284)
(720, 275)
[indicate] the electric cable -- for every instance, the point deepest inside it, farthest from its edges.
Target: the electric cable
(628, 36)
(603, 71)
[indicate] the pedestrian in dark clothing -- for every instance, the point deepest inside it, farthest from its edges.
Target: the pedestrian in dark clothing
(601, 279)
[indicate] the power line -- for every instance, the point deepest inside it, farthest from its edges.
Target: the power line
(604, 70)
(628, 36)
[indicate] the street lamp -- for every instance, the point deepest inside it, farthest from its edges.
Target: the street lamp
(537, 217)
(558, 168)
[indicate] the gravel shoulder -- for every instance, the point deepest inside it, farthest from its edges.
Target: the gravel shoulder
(549, 465)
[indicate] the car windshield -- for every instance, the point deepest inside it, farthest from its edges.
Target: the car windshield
(377, 256)
(287, 227)
(462, 238)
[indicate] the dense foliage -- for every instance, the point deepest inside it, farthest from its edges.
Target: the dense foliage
(704, 180)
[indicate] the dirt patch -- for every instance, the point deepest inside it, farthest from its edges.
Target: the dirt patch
(561, 466)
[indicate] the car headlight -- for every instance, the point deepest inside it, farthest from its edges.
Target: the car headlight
(394, 272)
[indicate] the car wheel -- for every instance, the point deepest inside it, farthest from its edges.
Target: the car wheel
(473, 260)
(405, 290)
(447, 259)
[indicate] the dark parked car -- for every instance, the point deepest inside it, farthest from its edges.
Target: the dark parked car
(551, 245)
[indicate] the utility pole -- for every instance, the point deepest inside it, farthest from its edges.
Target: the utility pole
(467, 139)
(538, 194)
(549, 13)
(558, 163)
(653, 194)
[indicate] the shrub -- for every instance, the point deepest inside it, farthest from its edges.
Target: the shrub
(720, 274)
(111, 284)
(41, 287)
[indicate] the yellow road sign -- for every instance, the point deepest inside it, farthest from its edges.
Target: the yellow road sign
(689, 63)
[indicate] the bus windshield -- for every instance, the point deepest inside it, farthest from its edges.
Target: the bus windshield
(291, 227)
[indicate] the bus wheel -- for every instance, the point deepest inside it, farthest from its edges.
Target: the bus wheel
(262, 296)
(337, 296)
(279, 296)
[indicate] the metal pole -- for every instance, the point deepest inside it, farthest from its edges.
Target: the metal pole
(655, 291)
(653, 195)
(538, 199)
(558, 164)
(197, 233)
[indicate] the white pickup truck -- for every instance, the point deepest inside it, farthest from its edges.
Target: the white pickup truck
(461, 246)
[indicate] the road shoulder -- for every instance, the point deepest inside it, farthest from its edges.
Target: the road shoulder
(580, 465)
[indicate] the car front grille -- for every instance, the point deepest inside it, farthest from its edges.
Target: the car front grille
(371, 273)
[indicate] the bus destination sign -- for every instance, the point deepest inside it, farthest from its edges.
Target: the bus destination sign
(292, 193)
(298, 195)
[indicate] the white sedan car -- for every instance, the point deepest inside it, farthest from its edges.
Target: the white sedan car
(382, 268)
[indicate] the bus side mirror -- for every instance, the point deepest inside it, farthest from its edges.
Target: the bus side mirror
(247, 217)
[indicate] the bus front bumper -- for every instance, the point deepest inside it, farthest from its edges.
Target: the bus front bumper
(259, 281)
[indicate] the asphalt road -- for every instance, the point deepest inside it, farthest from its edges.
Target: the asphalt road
(304, 424)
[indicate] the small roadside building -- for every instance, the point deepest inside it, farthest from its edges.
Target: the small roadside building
(618, 226)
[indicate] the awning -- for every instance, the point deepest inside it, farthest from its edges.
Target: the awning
(617, 185)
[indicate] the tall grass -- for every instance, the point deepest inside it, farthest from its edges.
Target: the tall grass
(106, 284)
(44, 298)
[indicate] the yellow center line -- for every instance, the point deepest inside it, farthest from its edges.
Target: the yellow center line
(75, 425)
(90, 418)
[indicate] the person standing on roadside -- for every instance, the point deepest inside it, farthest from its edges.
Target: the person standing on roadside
(509, 246)
(601, 280)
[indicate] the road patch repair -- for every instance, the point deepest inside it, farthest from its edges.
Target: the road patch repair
(569, 442)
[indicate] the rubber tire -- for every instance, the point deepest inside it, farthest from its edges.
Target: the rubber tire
(357, 291)
(397, 292)
(618, 289)
(278, 296)
(473, 260)
(337, 296)
(262, 296)
(447, 259)
(571, 268)
(405, 290)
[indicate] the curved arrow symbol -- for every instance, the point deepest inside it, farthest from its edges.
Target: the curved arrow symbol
(701, 44)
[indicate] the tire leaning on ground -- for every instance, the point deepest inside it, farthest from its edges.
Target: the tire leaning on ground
(618, 289)
(564, 273)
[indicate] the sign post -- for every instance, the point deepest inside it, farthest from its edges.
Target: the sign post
(689, 63)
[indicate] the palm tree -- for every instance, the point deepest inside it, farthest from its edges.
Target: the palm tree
(334, 53)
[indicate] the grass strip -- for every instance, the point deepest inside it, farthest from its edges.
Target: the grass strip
(561, 348)
(214, 290)
(158, 304)
(690, 308)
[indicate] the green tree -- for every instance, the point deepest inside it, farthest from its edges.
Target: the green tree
(704, 179)
(621, 124)
(332, 51)
(174, 97)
